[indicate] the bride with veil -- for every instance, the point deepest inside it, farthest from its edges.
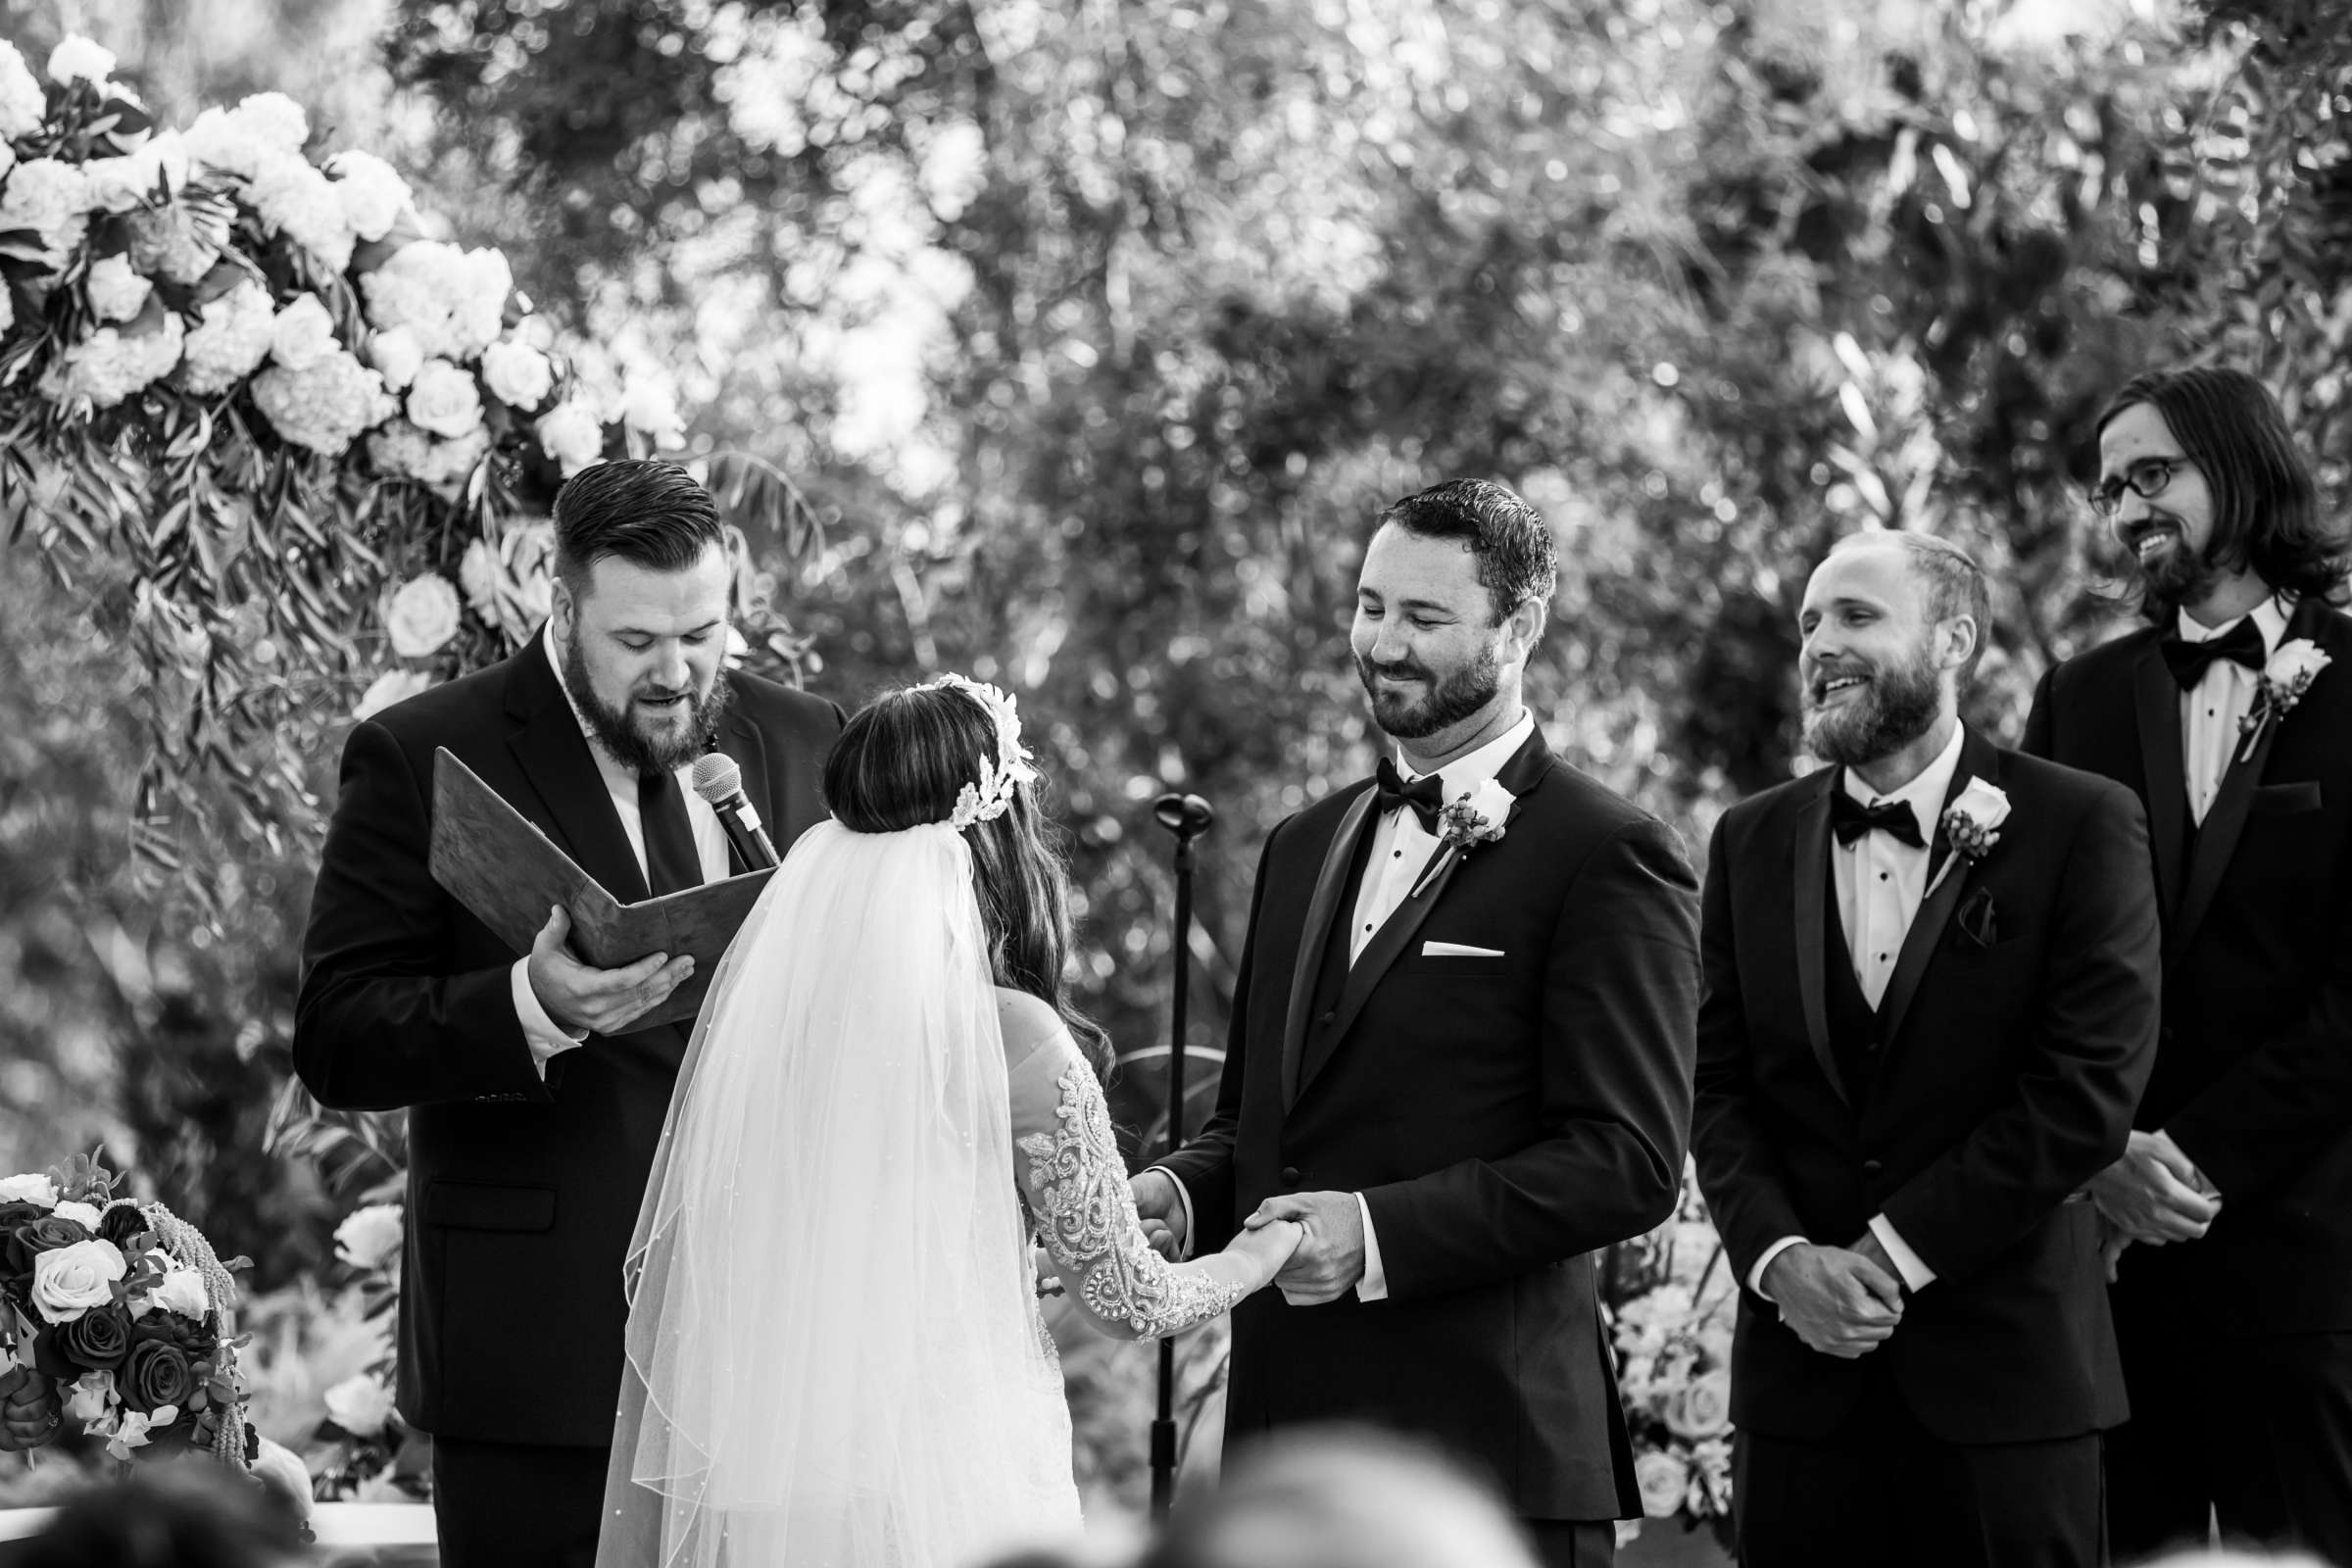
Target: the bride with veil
(835, 1355)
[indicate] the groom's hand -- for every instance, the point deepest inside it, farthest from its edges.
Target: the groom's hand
(602, 1001)
(1837, 1301)
(1160, 1208)
(2155, 1193)
(1330, 1259)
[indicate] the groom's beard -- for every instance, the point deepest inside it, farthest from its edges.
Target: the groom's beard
(1443, 701)
(1895, 707)
(626, 739)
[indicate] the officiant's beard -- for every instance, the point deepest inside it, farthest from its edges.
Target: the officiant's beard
(622, 733)
(1448, 702)
(1897, 707)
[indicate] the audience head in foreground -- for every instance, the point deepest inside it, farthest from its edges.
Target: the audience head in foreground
(192, 1514)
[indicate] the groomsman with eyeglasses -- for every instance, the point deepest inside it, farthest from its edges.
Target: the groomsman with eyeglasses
(2228, 1222)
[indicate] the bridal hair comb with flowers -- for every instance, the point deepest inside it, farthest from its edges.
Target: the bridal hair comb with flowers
(991, 796)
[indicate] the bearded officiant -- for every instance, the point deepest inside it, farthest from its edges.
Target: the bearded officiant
(534, 1096)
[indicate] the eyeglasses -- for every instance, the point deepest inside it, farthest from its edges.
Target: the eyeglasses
(2147, 478)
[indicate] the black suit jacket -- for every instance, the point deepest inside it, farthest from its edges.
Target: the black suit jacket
(2020, 1027)
(522, 1193)
(2254, 1074)
(1502, 1116)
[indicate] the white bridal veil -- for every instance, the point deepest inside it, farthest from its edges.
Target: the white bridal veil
(833, 1353)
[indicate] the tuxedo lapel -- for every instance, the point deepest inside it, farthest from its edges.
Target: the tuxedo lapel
(1321, 911)
(2226, 819)
(1809, 876)
(1978, 759)
(2156, 697)
(554, 755)
(1520, 775)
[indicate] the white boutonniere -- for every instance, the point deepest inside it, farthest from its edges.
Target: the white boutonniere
(1474, 818)
(2280, 686)
(1972, 827)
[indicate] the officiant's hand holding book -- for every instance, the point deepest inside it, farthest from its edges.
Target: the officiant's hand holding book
(604, 1001)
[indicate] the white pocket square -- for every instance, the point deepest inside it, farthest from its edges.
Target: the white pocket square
(1457, 950)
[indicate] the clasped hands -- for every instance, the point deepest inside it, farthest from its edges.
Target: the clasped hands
(2154, 1195)
(1324, 1266)
(28, 1410)
(1840, 1300)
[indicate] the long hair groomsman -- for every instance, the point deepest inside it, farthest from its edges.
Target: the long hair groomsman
(2229, 714)
(1928, 1009)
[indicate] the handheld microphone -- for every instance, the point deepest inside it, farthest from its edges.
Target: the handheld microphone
(717, 780)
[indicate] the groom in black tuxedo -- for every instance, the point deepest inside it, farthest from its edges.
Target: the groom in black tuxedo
(1930, 1007)
(533, 1104)
(1464, 1066)
(2234, 1199)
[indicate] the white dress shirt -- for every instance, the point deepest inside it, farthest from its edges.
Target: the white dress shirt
(546, 1038)
(1401, 849)
(1881, 883)
(2210, 709)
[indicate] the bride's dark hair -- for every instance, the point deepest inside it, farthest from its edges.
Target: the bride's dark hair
(900, 762)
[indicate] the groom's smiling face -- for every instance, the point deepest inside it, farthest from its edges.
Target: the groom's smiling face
(1427, 646)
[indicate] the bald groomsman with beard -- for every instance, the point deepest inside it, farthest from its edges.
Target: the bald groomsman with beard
(1928, 1009)
(2229, 714)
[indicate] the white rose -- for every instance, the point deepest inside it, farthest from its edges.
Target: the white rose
(517, 374)
(1700, 1408)
(360, 1405)
(650, 407)
(274, 120)
(372, 191)
(423, 617)
(479, 310)
(572, 437)
(303, 333)
(296, 200)
(51, 199)
(68, 1281)
(218, 140)
(324, 406)
(33, 1189)
(369, 1237)
(444, 400)
(392, 686)
(182, 1291)
(78, 59)
(22, 104)
(1982, 804)
(85, 1216)
(1664, 1479)
(2294, 663)
(117, 293)
(453, 300)
(396, 354)
(89, 1397)
(235, 332)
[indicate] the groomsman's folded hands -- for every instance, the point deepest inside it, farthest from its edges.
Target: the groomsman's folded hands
(1840, 1300)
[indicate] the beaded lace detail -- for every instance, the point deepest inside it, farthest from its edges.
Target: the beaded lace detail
(1085, 1213)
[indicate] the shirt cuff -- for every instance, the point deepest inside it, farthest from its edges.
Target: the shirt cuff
(540, 1032)
(1917, 1276)
(1755, 1276)
(1184, 1252)
(1374, 1286)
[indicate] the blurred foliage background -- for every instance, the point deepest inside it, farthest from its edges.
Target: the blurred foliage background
(1099, 332)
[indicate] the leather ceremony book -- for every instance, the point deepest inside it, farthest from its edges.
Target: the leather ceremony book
(499, 865)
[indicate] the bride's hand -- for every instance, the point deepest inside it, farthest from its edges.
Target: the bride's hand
(1266, 1248)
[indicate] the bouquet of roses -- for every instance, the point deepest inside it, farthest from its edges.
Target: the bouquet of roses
(122, 1309)
(1671, 1301)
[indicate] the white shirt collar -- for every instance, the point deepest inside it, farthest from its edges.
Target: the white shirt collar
(1924, 793)
(1464, 774)
(2270, 619)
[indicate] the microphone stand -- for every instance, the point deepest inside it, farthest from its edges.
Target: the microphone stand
(1186, 816)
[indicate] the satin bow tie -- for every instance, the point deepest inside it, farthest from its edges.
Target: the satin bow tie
(1849, 820)
(2242, 644)
(1425, 795)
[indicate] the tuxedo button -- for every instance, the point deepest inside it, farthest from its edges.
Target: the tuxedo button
(1872, 1167)
(1290, 1175)
(1324, 1022)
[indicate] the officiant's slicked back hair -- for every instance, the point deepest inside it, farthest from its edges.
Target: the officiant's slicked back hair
(2266, 513)
(650, 513)
(1508, 537)
(900, 762)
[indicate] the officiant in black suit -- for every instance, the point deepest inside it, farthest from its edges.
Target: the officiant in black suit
(1463, 1066)
(533, 1102)
(1930, 1009)
(2234, 1296)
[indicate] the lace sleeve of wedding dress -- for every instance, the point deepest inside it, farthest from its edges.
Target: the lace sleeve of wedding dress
(1075, 1186)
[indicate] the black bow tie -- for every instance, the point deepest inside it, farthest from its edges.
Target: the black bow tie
(1425, 795)
(1849, 820)
(2188, 662)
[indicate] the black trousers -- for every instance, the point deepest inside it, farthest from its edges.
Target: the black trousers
(516, 1504)
(1573, 1543)
(2256, 1431)
(1883, 1491)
